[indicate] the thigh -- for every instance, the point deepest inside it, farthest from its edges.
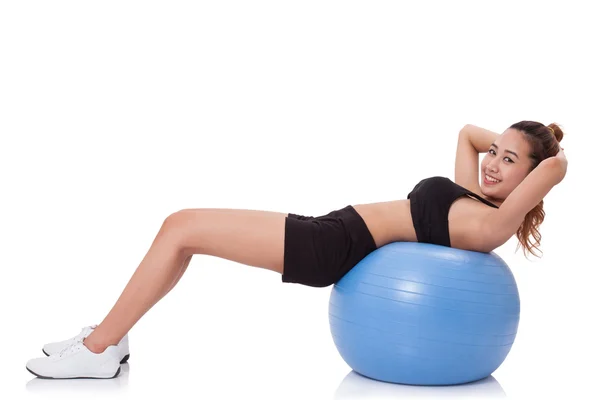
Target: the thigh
(250, 237)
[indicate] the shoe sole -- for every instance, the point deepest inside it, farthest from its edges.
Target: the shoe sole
(124, 360)
(79, 377)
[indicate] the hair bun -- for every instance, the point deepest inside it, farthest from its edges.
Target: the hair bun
(556, 131)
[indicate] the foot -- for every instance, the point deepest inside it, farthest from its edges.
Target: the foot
(55, 347)
(77, 361)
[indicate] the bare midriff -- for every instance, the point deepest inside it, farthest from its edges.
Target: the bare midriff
(391, 221)
(388, 221)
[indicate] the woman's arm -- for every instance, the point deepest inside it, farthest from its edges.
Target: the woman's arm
(502, 223)
(480, 138)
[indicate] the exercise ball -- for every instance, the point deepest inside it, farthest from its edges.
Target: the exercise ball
(425, 314)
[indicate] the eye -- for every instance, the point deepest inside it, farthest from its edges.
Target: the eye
(504, 157)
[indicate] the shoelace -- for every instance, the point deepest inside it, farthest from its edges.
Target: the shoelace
(71, 348)
(85, 331)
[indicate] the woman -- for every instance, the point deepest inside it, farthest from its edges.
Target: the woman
(521, 166)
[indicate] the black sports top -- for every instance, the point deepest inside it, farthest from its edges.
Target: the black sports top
(430, 202)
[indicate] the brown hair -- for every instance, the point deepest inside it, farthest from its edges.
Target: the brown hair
(544, 142)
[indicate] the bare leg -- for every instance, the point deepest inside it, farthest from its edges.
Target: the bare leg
(159, 271)
(180, 274)
(246, 236)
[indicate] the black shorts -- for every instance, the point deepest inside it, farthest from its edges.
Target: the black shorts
(319, 251)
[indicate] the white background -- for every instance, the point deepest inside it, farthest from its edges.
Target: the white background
(115, 114)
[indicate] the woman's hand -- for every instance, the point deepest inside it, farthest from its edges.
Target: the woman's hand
(563, 162)
(561, 156)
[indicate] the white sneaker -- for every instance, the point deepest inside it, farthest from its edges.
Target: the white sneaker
(53, 348)
(77, 361)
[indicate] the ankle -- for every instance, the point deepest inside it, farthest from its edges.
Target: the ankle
(96, 343)
(100, 339)
(93, 346)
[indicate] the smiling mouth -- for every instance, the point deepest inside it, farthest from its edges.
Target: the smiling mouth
(489, 180)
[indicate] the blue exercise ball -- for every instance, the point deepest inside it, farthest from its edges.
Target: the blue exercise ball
(424, 314)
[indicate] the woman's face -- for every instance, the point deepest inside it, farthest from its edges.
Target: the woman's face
(508, 161)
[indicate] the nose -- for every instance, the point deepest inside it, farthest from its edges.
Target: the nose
(493, 166)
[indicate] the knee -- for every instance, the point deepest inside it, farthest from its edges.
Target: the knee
(174, 225)
(177, 218)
